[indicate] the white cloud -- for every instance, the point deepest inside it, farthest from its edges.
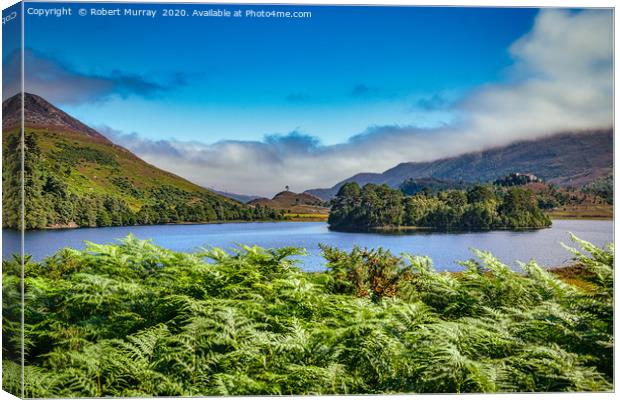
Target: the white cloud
(561, 80)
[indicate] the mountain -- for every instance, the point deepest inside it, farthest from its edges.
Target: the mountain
(568, 159)
(300, 203)
(244, 198)
(75, 176)
(38, 113)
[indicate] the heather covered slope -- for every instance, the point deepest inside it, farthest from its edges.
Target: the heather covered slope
(563, 159)
(77, 177)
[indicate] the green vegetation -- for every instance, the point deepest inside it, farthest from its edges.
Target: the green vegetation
(552, 197)
(135, 319)
(589, 211)
(412, 186)
(11, 180)
(478, 208)
(73, 181)
(516, 179)
(602, 187)
(592, 201)
(306, 217)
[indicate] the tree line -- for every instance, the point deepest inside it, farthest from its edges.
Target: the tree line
(480, 207)
(602, 187)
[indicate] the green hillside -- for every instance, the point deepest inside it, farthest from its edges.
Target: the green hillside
(76, 177)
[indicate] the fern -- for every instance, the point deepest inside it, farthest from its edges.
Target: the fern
(135, 319)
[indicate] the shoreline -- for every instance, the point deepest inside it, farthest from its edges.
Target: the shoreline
(421, 229)
(395, 230)
(69, 227)
(585, 217)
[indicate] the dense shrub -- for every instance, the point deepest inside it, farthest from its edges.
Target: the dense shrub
(602, 187)
(480, 207)
(135, 319)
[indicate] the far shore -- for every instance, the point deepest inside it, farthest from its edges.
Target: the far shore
(70, 226)
(319, 218)
(422, 229)
(599, 211)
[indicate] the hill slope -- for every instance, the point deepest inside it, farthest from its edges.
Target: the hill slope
(39, 113)
(243, 198)
(563, 159)
(301, 203)
(77, 177)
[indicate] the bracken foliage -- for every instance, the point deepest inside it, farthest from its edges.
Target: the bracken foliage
(135, 319)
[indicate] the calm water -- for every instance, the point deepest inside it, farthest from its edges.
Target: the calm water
(444, 248)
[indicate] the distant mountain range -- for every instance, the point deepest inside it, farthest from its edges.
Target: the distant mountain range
(244, 198)
(75, 176)
(569, 159)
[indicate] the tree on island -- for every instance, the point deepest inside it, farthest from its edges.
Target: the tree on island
(481, 207)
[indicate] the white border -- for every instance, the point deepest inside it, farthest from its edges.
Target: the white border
(461, 3)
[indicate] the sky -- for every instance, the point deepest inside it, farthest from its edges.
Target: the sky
(250, 105)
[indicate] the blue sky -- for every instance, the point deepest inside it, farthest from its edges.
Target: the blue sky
(331, 76)
(250, 105)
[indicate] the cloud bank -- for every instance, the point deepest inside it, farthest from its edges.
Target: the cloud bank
(561, 80)
(62, 84)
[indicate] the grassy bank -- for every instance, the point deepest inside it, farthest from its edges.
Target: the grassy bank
(135, 319)
(596, 211)
(306, 217)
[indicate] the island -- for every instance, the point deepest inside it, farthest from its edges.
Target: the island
(477, 208)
